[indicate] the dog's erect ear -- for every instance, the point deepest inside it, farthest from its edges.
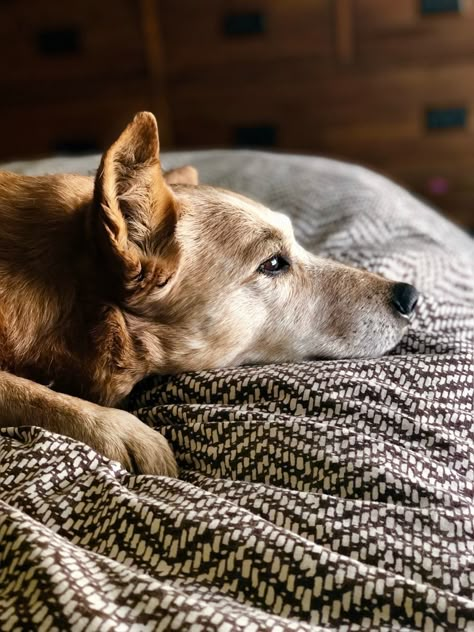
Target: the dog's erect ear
(134, 211)
(182, 175)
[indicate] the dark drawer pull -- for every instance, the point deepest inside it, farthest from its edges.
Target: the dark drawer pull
(446, 118)
(430, 7)
(249, 23)
(76, 146)
(255, 136)
(57, 42)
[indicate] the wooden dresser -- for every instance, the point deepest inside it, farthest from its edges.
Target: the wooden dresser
(72, 73)
(385, 83)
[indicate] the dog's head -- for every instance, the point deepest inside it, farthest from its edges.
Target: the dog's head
(209, 278)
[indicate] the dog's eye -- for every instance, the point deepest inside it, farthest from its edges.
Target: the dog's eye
(275, 265)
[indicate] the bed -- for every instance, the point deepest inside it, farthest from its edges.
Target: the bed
(335, 495)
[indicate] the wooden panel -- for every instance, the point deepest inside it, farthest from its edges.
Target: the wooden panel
(68, 126)
(152, 44)
(194, 31)
(344, 30)
(457, 205)
(389, 32)
(73, 40)
(375, 118)
(354, 107)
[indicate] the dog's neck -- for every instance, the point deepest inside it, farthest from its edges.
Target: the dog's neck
(119, 354)
(57, 325)
(116, 348)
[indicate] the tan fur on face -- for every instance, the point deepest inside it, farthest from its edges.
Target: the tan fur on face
(318, 308)
(105, 281)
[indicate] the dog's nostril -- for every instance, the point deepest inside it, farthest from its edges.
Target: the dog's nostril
(404, 298)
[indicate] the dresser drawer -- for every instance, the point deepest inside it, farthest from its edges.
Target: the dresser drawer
(347, 111)
(201, 34)
(416, 125)
(400, 32)
(70, 126)
(69, 40)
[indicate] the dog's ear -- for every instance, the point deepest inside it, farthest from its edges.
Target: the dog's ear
(134, 211)
(182, 175)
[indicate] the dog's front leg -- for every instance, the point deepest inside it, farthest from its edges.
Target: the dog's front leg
(110, 431)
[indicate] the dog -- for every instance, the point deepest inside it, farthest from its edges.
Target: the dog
(107, 280)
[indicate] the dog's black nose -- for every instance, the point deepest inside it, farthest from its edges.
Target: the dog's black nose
(404, 298)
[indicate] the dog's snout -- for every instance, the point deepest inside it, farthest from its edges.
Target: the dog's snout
(404, 298)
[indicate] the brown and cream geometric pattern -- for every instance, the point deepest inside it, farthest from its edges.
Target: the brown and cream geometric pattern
(335, 495)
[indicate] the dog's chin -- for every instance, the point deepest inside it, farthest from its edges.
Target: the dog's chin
(370, 348)
(363, 346)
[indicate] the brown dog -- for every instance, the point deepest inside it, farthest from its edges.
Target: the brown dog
(106, 281)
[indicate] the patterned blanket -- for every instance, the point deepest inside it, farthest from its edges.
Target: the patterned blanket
(335, 495)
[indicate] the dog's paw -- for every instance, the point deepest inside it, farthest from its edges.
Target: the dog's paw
(140, 449)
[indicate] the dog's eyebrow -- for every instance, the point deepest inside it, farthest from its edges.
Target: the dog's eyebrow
(260, 246)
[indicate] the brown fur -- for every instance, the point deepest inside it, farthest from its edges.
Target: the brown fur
(106, 281)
